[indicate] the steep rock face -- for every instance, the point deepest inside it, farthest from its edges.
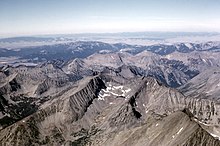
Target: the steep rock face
(203, 91)
(8, 83)
(111, 110)
(52, 123)
(201, 137)
(25, 80)
(80, 101)
(23, 89)
(152, 98)
(205, 85)
(156, 98)
(175, 129)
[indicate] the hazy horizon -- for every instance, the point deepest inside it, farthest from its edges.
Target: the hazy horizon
(29, 17)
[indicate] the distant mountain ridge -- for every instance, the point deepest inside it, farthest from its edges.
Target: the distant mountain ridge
(83, 49)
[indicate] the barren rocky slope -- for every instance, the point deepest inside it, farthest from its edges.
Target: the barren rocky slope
(111, 110)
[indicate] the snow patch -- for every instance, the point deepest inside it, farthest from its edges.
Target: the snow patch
(204, 60)
(201, 122)
(112, 57)
(180, 130)
(101, 97)
(118, 87)
(215, 136)
(188, 45)
(111, 90)
(128, 90)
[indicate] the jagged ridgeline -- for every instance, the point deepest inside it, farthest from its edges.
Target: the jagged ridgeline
(111, 108)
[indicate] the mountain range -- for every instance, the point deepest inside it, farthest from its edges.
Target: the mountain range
(93, 93)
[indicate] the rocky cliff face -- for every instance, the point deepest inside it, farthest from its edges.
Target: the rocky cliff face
(55, 115)
(175, 129)
(23, 89)
(111, 110)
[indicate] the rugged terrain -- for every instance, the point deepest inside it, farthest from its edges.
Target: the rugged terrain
(108, 109)
(97, 93)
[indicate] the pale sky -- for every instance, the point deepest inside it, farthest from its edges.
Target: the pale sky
(30, 17)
